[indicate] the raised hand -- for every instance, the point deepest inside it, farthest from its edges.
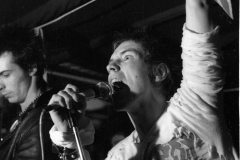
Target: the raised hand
(198, 18)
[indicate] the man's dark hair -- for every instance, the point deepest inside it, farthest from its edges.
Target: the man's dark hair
(159, 50)
(24, 44)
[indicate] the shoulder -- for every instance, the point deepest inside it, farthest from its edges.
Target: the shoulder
(120, 150)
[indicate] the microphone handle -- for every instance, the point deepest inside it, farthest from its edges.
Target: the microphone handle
(72, 118)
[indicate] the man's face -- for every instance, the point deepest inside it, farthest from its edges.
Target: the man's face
(128, 74)
(14, 81)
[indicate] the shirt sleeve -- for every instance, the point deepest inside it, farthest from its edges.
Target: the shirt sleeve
(67, 140)
(202, 82)
(197, 105)
(202, 70)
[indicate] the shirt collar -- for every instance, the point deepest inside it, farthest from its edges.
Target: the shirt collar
(161, 132)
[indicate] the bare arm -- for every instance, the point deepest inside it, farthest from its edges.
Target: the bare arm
(198, 18)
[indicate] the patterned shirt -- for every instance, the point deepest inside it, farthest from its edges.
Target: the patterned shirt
(186, 147)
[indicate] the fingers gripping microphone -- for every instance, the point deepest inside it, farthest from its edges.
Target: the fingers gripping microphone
(102, 91)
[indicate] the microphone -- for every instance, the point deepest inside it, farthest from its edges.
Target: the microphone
(102, 91)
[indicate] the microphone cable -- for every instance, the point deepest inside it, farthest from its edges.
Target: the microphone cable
(41, 134)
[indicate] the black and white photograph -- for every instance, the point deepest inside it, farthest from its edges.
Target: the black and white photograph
(119, 80)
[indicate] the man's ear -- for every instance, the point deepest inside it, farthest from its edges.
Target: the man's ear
(33, 70)
(160, 72)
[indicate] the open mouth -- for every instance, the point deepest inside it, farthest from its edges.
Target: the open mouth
(118, 86)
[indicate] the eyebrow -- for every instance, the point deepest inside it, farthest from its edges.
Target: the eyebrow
(124, 51)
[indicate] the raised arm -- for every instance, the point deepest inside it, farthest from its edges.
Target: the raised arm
(198, 102)
(198, 18)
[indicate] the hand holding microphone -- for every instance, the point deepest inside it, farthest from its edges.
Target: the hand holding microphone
(72, 99)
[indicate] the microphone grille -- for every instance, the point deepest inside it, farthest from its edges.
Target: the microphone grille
(105, 90)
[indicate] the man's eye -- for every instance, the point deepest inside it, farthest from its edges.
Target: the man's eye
(127, 57)
(5, 75)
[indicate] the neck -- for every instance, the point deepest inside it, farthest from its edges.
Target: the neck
(37, 87)
(146, 112)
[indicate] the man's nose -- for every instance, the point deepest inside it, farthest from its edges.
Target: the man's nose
(113, 66)
(1, 87)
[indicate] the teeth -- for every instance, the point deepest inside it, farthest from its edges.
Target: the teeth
(115, 80)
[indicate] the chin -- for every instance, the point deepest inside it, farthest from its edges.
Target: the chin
(119, 106)
(13, 100)
(121, 101)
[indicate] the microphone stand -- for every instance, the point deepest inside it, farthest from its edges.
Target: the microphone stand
(73, 124)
